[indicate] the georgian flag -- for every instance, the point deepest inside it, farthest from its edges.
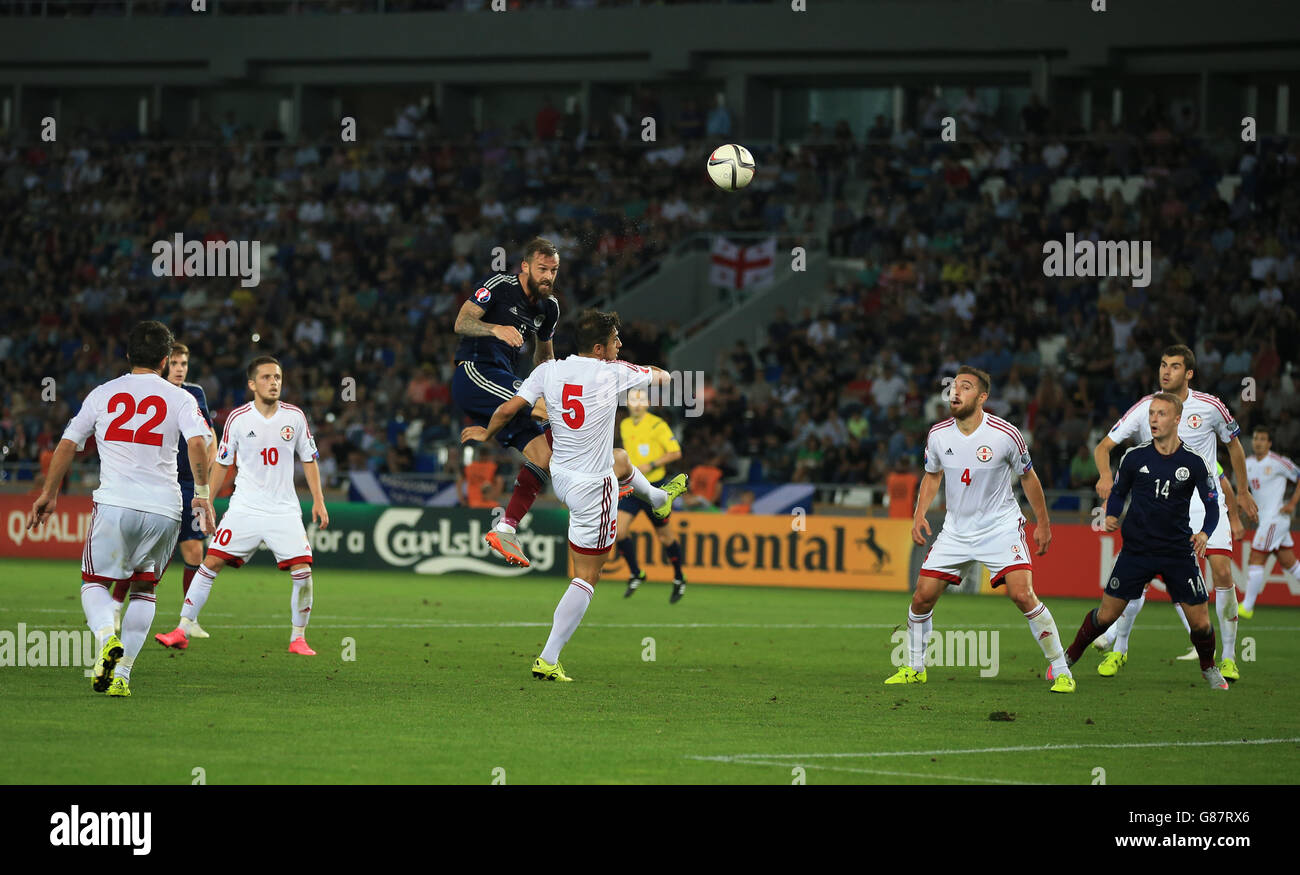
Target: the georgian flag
(740, 267)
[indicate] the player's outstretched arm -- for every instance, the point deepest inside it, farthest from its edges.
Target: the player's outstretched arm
(311, 473)
(1101, 455)
(469, 323)
(1245, 501)
(1038, 502)
(64, 453)
(1120, 490)
(924, 497)
(500, 418)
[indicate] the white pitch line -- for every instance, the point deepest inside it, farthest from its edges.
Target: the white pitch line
(889, 773)
(407, 622)
(1023, 748)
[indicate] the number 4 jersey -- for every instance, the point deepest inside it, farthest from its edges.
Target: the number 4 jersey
(137, 421)
(978, 470)
(264, 448)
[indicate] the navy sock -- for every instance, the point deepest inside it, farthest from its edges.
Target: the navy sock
(627, 548)
(674, 552)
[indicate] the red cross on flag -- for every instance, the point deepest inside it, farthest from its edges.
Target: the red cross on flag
(740, 267)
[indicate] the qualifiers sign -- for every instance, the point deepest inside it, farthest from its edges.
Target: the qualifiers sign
(822, 552)
(61, 537)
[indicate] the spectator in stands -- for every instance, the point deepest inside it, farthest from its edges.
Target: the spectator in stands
(480, 485)
(901, 486)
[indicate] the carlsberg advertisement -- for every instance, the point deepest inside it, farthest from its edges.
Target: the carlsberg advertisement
(428, 540)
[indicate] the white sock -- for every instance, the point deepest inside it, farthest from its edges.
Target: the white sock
(504, 526)
(568, 614)
(1225, 603)
(1182, 615)
(300, 601)
(135, 629)
(97, 602)
(200, 589)
(1294, 570)
(1254, 583)
(919, 627)
(1124, 625)
(1044, 631)
(641, 488)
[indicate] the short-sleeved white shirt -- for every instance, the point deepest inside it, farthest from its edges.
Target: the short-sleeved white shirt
(977, 474)
(138, 420)
(264, 449)
(1268, 479)
(582, 395)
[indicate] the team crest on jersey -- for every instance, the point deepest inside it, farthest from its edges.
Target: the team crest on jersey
(1182, 474)
(225, 451)
(517, 384)
(1194, 421)
(984, 453)
(537, 321)
(482, 296)
(287, 432)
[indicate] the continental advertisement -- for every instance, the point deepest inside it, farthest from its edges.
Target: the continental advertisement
(820, 552)
(816, 551)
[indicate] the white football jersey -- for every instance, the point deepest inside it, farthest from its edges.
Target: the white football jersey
(138, 420)
(1268, 479)
(977, 472)
(1206, 421)
(582, 395)
(264, 449)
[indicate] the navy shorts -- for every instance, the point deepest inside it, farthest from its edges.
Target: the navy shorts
(479, 390)
(191, 528)
(634, 506)
(1180, 572)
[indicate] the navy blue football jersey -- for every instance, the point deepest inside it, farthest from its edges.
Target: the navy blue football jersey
(504, 303)
(1161, 487)
(183, 472)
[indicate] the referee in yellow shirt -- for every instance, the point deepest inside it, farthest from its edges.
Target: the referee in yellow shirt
(651, 447)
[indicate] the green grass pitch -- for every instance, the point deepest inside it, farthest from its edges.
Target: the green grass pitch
(747, 686)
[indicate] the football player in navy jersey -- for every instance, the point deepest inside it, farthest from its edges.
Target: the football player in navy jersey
(1160, 476)
(494, 325)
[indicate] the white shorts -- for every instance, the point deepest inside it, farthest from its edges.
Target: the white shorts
(1272, 534)
(1220, 543)
(239, 535)
(593, 509)
(999, 551)
(126, 544)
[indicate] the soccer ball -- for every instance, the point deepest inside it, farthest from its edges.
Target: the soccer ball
(731, 167)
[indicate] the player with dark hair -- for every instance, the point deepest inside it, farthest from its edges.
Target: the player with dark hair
(582, 393)
(137, 421)
(1161, 476)
(1205, 422)
(493, 325)
(191, 537)
(1269, 474)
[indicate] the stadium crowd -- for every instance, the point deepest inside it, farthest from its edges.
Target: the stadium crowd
(369, 249)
